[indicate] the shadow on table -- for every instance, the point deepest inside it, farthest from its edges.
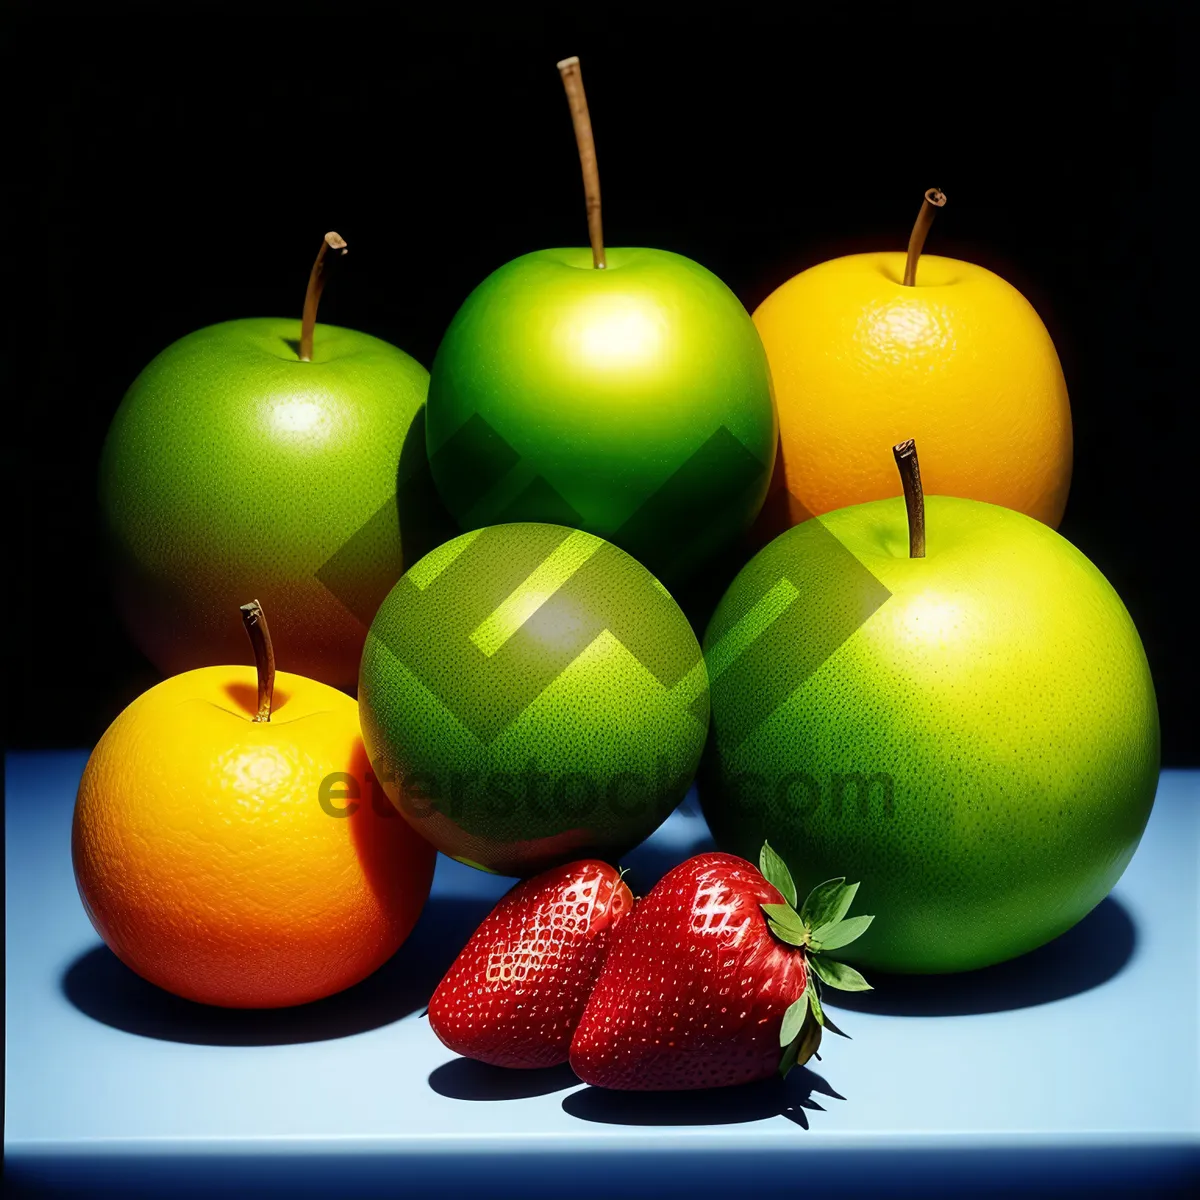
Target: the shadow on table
(99, 985)
(463, 1079)
(1084, 957)
(791, 1097)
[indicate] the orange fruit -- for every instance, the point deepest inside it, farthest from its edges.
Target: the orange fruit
(960, 362)
(227, 860)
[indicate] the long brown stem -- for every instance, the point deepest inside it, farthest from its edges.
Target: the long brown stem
(573, 82)
(255, 621)
(312, 297)
(914, 498)
(934, 200)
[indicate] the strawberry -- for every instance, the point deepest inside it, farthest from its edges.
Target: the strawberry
(514, 995)
(713, 980)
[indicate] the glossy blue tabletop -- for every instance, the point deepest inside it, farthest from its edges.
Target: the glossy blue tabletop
(1074, 1069)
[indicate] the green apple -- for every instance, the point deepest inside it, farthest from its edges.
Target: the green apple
(621, 391)
(972, 733)
(531, 694)
(234, 469)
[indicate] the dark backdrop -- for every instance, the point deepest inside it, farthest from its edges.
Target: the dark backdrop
(177, 165)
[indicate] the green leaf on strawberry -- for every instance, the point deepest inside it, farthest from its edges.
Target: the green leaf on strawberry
(791, 1054)
(804, 1046)
(793, 1019)
(775, 872)
(836, 934)
(789, 934)
(784, 914)
(809, 1040)
(839, 975)
(814, 1001)
(821, 925)
(786, 925)
(828, 902)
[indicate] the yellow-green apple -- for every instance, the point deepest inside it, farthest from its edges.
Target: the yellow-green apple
(945, 699)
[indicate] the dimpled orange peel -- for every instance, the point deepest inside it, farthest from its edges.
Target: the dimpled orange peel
(870, 349)
(230, 845)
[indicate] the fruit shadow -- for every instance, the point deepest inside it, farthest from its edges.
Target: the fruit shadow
(465, 1079)
(101, 987)
(792, 1098)
(700, 594)
(425, 522)
(1086, 956)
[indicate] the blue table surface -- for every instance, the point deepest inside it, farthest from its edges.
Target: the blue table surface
(1077, 1065)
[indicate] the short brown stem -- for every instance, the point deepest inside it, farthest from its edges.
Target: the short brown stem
(934, 200)
(312, 297)
(255, 621)
(914, 498)
(573, 82)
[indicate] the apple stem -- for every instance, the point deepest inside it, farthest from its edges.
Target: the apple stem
(312, 297)
(934, 200)
(914, 498)
(573, 82)
(255, 621)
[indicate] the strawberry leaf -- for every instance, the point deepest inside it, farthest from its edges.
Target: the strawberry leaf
(838, 975)
(785, 915)
(775, 871)
(789, 1058)
(788, 933)
(828, 902)
(814, 1001)
(809, 1040)
(793, 1019)
(836, 934)
(803, 1046)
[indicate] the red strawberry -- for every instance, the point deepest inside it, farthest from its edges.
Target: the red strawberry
(711, 982)
(514, 995)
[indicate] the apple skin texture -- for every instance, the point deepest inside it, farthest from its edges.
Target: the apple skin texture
(1002, 686)
(233, 471)
(600, 385)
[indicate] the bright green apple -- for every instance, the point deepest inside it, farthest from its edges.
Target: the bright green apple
(235, 471)
(973, 734)
(632, 401)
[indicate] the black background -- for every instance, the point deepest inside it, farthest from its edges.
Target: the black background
(173, 166)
